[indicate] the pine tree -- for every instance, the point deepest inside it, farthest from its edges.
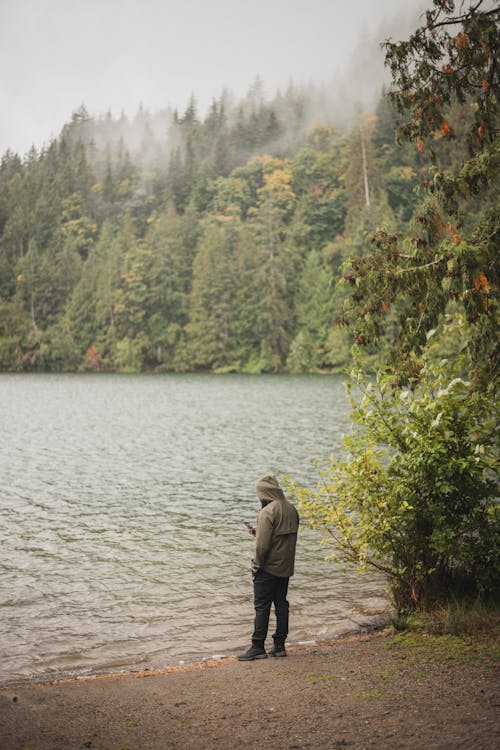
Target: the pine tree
(209, 329)
(269, 221)
(314, 310)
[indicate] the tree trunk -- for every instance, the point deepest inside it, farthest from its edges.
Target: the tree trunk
(365, 170)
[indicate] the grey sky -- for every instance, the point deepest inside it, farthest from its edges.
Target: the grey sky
(116, 54)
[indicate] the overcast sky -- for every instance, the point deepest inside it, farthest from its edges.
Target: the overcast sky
(115, 54)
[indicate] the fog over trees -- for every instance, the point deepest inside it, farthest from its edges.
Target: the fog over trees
(175, 242)
(180, 240)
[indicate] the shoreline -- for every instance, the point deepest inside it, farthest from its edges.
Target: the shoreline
(374, 691)
(195, 663)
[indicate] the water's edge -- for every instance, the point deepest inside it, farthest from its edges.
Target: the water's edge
(121, 517)
(373, 624)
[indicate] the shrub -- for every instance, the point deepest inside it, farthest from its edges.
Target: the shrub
(416, 496)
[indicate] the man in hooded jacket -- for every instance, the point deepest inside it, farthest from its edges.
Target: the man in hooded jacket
(272, 566)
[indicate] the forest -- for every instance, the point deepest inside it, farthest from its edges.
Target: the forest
(169, 242)
(236, 241)
(415, 494)
(266, 237)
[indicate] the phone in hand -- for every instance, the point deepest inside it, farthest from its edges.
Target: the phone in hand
(250, 528)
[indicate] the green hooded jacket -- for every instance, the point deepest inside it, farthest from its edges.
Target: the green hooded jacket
(277, 528)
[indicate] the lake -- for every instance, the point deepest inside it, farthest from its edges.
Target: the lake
(121, 507)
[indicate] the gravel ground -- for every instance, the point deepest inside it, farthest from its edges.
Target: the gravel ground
(378, 691)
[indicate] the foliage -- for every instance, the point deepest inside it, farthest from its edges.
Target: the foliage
(473, 617)
(449, 65)
(217, 246)
(315, 315)
(218, 249)
(416, 496)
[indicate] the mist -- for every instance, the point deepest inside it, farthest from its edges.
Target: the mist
(124, 59)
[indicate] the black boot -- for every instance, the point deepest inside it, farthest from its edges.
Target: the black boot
(278, 650)
(254, 652)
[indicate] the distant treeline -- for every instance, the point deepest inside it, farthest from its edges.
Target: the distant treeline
(174, 243)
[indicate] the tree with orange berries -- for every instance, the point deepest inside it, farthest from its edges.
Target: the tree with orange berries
(448, 65)
(415, 496)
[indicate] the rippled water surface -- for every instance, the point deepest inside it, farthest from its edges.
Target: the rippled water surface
(121, 508)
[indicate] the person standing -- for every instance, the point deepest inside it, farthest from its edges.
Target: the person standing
(272, 566)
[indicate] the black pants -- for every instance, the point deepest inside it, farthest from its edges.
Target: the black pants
(267, 590)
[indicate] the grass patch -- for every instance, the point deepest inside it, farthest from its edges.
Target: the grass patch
(464, 618)
(433, 646)
(459, 631)
(367, 694)
(388, 673)
(314, 678)
(452, 647)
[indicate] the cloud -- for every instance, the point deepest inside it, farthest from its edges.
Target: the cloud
(115, 54)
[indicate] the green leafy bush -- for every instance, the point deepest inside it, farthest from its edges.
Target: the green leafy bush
(416, 496)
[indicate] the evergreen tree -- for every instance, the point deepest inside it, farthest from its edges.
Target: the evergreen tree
(314, 315)
(367, 204)
(209, 329)
(99, 231)
(269, 222)
(168, 285)
(317, 169)
(449, 59)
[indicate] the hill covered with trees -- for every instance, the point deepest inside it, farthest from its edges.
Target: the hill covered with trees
(172, 242)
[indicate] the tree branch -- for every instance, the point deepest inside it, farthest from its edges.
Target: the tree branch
(400, 271)
(460, 19)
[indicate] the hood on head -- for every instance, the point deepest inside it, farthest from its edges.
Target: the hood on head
(267, 488)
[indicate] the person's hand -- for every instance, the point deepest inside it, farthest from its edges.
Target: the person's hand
(252, 531)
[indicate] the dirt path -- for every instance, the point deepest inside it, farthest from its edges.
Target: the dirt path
(369, 692)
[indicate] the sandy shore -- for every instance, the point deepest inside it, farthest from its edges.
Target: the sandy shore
(376, 691)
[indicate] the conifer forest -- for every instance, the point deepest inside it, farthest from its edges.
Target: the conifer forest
(172, 242)
(279, 235)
